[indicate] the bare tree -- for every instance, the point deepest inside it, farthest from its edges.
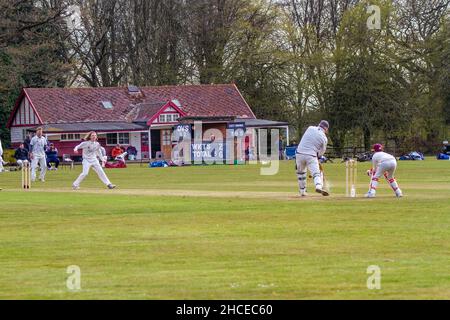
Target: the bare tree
(209, 26)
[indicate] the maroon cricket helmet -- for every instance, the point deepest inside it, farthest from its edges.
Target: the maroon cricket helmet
(378, 147)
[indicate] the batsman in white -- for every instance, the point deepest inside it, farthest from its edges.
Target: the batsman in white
(312, 147)
(91, 152)
(385, 165)
(38, 145)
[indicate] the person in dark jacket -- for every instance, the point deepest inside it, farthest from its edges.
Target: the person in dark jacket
(52, 157)
(132, 153)
(281, 147)
(27, 142)
(21, 156)
(446, 148)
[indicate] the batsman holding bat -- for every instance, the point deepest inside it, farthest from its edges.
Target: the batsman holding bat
(385, 165)
(312, 147)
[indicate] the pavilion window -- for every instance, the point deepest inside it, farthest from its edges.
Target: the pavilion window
(168, 118)
(107, 105)
(111, 139)
(124, 138)
(167, 137)
(71, 137)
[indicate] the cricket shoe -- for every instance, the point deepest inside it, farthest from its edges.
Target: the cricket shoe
(399, 194)
(322, 192)
(111, 187)
(370, 195)
(303, 193)
(75, 188)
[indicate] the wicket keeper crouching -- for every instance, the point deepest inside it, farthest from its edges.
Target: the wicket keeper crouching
(312, 146)
(385, 165)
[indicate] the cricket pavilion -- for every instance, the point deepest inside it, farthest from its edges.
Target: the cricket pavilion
(141, 117)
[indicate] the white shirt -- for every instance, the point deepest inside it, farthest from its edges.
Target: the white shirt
(381, 157)
(104, 157)
(38, 146)
(314, 142)
(91, 150)
(1, 149)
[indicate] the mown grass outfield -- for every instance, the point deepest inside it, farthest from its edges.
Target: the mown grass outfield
(225, 232)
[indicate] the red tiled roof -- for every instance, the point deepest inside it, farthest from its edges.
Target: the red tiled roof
(146, 111)
(73, 105)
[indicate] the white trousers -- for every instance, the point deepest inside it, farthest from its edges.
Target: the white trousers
(305, 163)
(386, 169)
(42, 162)
(1, 164)
(97, 168)
(21, 163)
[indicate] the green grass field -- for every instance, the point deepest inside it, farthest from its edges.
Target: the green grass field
(225, 232)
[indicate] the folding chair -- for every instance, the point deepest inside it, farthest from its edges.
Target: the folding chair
(67, 161)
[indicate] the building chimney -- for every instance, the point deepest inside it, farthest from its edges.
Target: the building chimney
(135, 93)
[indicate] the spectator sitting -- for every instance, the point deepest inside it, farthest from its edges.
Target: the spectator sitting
(446, 148)
(117, 151)
(52, 157)
(132, 153)
(21, 156)
(252, 155)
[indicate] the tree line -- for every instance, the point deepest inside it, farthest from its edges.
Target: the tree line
(294, 60)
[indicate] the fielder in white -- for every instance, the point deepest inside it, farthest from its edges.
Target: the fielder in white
(38, 145)
(312, 147)
(1, 157)
(104, 157)
(91, 152)
(385, 165)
